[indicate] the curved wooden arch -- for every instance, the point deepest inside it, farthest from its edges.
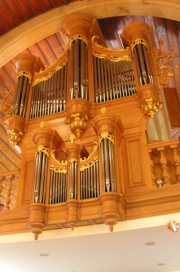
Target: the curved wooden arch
(28, 33)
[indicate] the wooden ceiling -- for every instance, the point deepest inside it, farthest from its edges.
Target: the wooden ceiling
(16, 12)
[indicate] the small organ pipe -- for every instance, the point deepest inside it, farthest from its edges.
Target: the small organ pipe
(19, 90)
(82, 69)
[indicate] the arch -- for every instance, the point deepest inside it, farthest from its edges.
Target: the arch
(48, 23)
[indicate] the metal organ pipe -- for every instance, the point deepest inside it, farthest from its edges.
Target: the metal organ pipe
(89, 181)
(21, 96)
(58, 187)
(108, 170)
(49, 96)
(40, 177)
(79, 69)
(73, 179)
(143, 66)
(112, 80)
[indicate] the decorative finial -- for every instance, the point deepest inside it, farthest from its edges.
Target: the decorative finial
(103, 110)
(72, 138)
(173, 226)
(42, 124)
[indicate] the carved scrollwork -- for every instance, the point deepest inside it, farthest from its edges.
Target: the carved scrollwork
(58, 170)
(44, 149)
(107, 135)
(14, 136)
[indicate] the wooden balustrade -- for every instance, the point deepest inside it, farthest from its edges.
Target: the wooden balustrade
(8, 190)
(165, 162)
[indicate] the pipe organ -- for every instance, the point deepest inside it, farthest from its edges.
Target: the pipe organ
(79, 69)
(49, 95)
(112, 80)
(81, 124)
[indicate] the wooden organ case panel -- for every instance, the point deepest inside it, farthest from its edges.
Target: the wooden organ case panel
(98, 97)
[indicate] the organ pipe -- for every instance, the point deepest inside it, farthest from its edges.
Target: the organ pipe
(58, 186)
(73, 166)
(79, 69)
(21, 96)
(144, 70)
(107, 158)
(112, 80)
(40, 175)
(89, 181)
(49, 95)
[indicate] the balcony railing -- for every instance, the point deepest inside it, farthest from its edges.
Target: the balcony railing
(165, 162)
(8, 190)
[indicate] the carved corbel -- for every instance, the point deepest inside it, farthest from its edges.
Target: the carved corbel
(15, 128)
(78, 115)
(149, 100)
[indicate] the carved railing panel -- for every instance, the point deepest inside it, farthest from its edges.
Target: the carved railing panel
(8, 191)
(165, 162)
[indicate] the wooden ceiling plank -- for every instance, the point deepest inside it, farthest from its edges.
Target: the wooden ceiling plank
(47, 4)
(46, 51)
(104, 32)
(12, 9)
(30, 4)
(3, 26)
(43, 6)
(52, 43)
(4, 79)
(3, 168)
(35, 51)
(27, 9)
(8, 74)
(21, 10)
(6, 16)
(37, 6)
(151, 21)
(58, 3)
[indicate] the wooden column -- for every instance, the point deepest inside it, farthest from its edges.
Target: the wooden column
(45, 139)
(139, 37)
(105, 125)
(26, 66)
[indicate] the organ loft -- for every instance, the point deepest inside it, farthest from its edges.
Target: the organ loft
(93, 133)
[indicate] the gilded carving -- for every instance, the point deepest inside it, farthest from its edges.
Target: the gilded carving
(78, 124)
(63, 163)
(163, 66)
(58, 170)
(106, 135)
(86, 166)
(44, 149)
(26, 74)
(49, 74)
(14, 136)
(150, 107)
(139, 41)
